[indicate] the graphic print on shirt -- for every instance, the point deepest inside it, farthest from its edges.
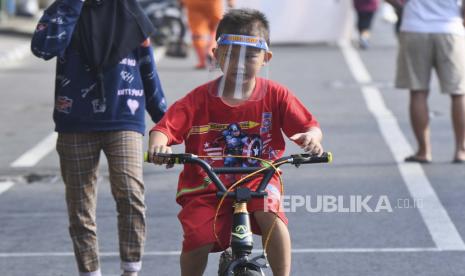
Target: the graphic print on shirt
(130, 92)
(99, 106)
(239, 139)
(62, 80)
(63, 104)
(128, 61)
(133, 105)
(234, 143)
(127, 76)
(86, 91)
(265, 131)
(57, 20)
(60, 36)
(41, 26)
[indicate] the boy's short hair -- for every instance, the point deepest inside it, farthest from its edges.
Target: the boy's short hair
(244, 22)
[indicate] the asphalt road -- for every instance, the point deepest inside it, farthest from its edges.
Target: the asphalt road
(392, 219)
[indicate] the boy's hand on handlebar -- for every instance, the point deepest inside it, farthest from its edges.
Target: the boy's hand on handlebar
(158, 144)
(158, 160)
(309, 142)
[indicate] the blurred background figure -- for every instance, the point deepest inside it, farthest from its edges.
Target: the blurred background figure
(398, 7)
(365, 10)
(432, 39)
(168, 20)
(29, 8)
(203, 17)
(24, 8)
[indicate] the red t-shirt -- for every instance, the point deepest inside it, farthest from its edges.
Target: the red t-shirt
(210, 127)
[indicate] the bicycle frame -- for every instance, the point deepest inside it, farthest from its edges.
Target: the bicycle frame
(241, 234)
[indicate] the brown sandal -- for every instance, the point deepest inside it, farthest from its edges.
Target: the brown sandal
(416, 159)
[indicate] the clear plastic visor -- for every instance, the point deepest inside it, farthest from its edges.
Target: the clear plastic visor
(239, 69)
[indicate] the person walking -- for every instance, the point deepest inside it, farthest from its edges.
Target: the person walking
(105, 79)
(203, 16)
(432, 36)
(365, 11)
(398, 7)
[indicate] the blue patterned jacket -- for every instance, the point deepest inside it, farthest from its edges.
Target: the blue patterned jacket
(131, 87)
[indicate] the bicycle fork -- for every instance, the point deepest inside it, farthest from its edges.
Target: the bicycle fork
(241, 234)
(242, 244)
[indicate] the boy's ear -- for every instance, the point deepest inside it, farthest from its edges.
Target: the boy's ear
(214, 51)
(268, 56)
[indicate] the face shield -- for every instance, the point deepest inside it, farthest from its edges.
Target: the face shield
(240, 68)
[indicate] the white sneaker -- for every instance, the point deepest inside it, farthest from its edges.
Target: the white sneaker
(363, 43)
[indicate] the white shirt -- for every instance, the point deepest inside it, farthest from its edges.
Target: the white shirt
(432, 16)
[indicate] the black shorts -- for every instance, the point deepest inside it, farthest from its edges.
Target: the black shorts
(364, 20)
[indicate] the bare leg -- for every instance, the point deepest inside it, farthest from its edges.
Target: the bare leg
(365, 34)
(419, 119)
(200, 46)
(458, 122)
(363, 26)
(279, 246)
(193, 263)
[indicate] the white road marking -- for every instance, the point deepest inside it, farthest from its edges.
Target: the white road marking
(438, 222)
(5, 185)
(34, 155)
(255, 251)
(368, 250)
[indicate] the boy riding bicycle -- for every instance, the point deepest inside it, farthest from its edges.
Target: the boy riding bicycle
(238, 113)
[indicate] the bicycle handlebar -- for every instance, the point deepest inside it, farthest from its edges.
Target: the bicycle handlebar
(268, 172)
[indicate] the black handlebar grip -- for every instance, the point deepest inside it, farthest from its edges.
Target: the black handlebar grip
(326, 157)
(172, 158)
